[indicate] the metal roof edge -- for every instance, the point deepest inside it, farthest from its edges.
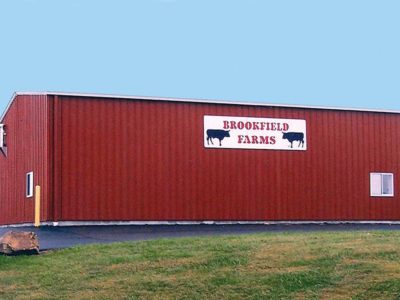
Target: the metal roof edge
(214, 101)
(8, 106)
(193, 100)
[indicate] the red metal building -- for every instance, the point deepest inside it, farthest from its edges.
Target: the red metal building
(103, 158)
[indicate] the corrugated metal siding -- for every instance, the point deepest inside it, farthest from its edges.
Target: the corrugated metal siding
(143, 160)
(27, 140)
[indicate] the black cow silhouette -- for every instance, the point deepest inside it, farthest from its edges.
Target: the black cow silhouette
(294, 136)
(216, 134)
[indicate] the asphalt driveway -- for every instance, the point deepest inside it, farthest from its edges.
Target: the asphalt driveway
(61, 237)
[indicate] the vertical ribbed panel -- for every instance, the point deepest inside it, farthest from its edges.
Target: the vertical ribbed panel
(27, 141)
(145, 160)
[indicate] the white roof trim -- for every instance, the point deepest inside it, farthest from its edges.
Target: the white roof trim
(196, 101)
(8, 107)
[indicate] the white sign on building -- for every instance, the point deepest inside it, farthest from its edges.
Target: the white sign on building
(254, 133)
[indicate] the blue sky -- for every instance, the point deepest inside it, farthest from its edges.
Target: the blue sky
(336, 53)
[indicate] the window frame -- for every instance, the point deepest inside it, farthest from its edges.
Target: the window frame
(381, 181)
(3, 139)
(29, 185)
(2, 134)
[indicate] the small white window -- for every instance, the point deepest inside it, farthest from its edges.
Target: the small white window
(3, 143)
(2, 136)
(381, 184)
(29, 184)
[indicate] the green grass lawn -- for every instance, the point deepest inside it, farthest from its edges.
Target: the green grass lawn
(313, 265)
